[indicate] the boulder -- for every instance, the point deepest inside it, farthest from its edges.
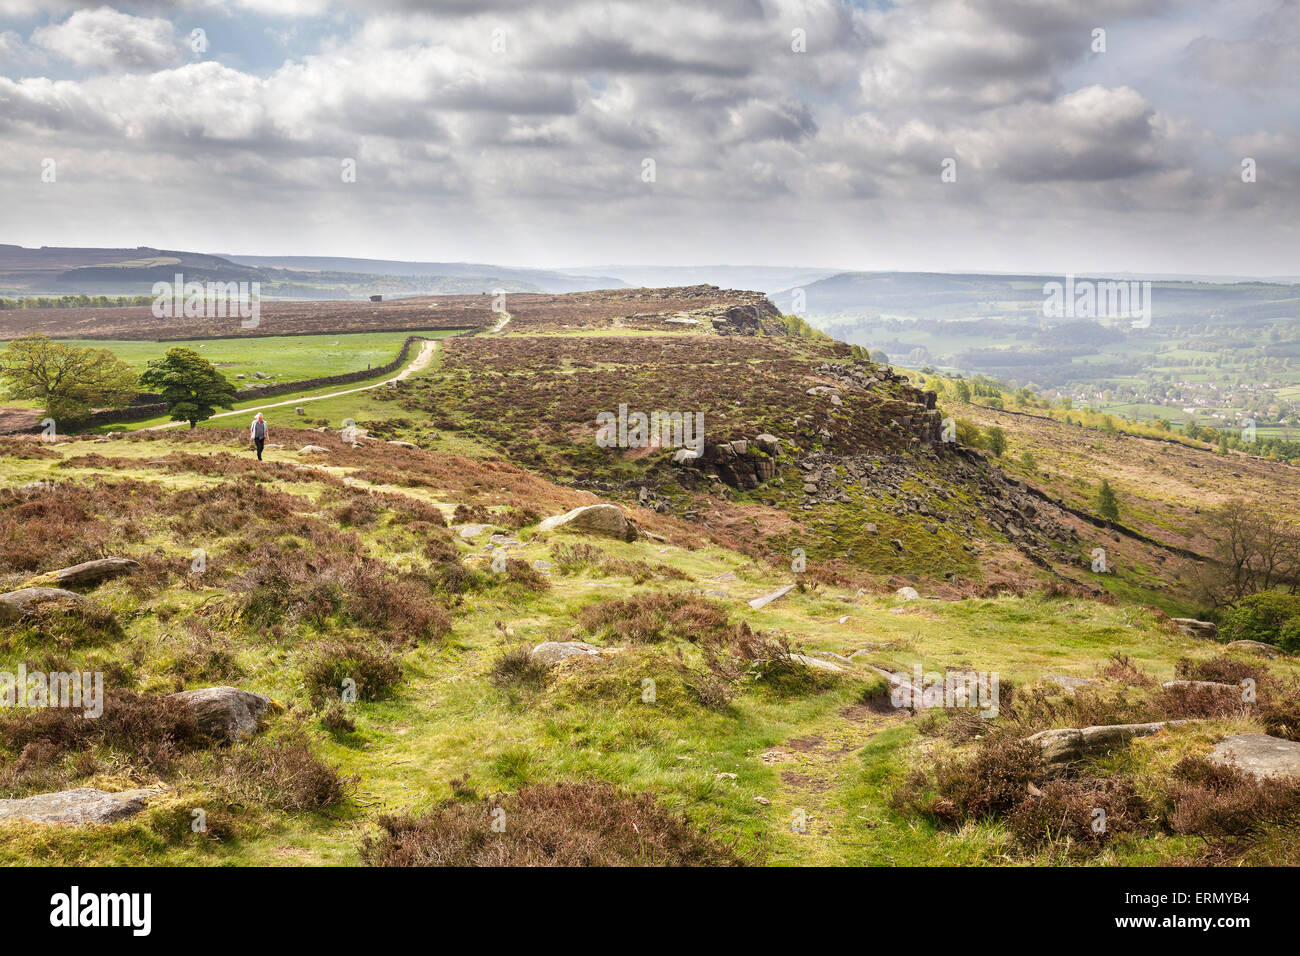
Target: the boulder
(908, 594)
(603, 519)
(79, 806)
(313, 450)
(553, 652)
(18, 604)
(468, 531)
(1259, 755)
(225, 713)
(1255, 647)
(403, 444)
(1199, 685)
(1194, 628)
(1068, 744)
(300, 411)
(768, 443)
(85, 574)
(760, 602)
(1068, 683)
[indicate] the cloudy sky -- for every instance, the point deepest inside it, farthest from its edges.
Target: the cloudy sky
(796, 132)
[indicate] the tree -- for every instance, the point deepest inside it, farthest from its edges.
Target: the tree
(190, 385)
(996, 439)
(963, 392)
(69, 381)
(1252, 551)
(1107, 503)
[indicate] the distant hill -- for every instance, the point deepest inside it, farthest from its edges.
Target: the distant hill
(92, 271)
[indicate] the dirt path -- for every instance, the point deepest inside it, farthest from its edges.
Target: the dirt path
(421, 361)
(505, 320)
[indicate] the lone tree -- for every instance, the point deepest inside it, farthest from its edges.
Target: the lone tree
(1107, 503)
(190, 385)
(996, 439)
(69, 381)
(1253, 550)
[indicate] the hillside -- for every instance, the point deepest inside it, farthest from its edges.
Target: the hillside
(722, 657)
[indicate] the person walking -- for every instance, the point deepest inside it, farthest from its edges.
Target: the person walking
(257, 432)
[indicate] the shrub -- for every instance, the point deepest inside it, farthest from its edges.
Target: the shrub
(374, 673)
(654, 617)
(516, 667)
(1222, 803)
(562, 824)
(1082, 814)
(989, 785)
(570, 558)
(148, 729)
(284, 774)
(1263, 617)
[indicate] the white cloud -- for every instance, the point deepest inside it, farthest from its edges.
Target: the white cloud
(106, 39)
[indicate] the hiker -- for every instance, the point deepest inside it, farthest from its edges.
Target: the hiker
(258, 433)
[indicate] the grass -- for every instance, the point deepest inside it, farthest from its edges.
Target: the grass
(445, 718)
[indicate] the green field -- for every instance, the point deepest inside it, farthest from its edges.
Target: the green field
(286, 358)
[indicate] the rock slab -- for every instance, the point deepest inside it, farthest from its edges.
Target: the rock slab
(1259, 755)
(77, 807)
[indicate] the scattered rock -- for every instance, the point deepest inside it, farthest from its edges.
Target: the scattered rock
(830, 656)
(1070, 684)
(724, 776)
(469, 531)
(908, 594)
(1194, 628)
(78, 806)
(552, 652)
(761, 602)
(1199, 685)
(300, 411)
(543, 566)
(602, 519)
(403, 444)
(225, 713)
(313, 450)
(762, 801)
(1255, 647)
(816, 664)
(1259, 755)
(85, 574)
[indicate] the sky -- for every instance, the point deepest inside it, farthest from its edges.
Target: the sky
(934, 135)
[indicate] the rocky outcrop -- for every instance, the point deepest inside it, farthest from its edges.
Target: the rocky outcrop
(75, 807)
(1259, 755)
(603, 519)
(16, 605)
(86, 574)
(225, 713)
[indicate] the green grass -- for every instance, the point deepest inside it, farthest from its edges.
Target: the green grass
(287, 358)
